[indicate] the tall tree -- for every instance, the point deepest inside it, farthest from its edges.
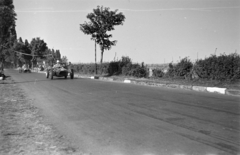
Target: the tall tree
(49, 57)
(23, 51)
(7, 28)
(64, 59)
(101, 21)
(38, 49)
(58, 55)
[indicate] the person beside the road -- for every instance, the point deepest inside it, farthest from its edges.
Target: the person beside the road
(69, 65)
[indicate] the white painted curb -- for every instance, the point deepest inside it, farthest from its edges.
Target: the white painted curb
(94, 77)
(216, 90)
(127, 81)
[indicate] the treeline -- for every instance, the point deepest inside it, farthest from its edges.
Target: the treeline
(31, 53)
(14, 52)
(223, 67)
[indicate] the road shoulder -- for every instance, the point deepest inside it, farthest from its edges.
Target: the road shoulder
(22, 128)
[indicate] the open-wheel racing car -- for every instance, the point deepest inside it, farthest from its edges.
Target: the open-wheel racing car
(59, 72)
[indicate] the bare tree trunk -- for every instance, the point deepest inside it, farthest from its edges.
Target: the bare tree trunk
(102, 50)
(1, 65)
(32, 64)
(95, 58)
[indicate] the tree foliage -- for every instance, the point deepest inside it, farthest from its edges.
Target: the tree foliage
(23, 51)
(38, 47)
(223, 67)
(57, 55)
(7, 20)
(64, 59)
(101, 21)
(7, 29)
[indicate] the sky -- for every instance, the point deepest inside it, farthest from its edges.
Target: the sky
(154, 31)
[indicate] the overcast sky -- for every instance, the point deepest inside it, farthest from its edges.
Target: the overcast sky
(155, 31)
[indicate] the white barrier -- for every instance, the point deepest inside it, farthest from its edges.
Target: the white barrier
(216, 90)
(127, 81)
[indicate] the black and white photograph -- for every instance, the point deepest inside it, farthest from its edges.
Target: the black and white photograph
(119, 77)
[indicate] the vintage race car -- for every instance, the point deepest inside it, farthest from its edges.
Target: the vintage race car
(59, 72)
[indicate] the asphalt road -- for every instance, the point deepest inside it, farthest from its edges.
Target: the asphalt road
(110, 118)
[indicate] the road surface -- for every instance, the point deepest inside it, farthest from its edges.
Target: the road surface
(110, 118)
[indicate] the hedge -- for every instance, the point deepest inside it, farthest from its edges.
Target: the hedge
(121, 67)
(223, 67)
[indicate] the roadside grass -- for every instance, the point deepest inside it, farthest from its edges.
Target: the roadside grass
(22, 127)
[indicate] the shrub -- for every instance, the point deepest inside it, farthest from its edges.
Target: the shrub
(90, 68)
(125, 61)
(135, 70)
(183, 68)
(158, 73)
(223, 67)
(126, 69)
(170, 71)
(114, 68)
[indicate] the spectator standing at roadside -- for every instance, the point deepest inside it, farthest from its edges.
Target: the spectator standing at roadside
(69, 65)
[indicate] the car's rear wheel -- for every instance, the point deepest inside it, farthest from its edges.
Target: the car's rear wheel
(51, 74)
(47, 74)
(72, 74)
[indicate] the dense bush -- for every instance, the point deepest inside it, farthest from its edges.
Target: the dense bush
(138, 71)
(157, 73)
(90, 68)
(183, 68)
(170, 72)
(125, 61)
(135, 70)
(126, 69)
(123, 66)
(223, 67)
(114, 68)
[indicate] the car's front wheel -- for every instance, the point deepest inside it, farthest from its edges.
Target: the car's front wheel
(51, 74)
(47, 74)
(72, 74)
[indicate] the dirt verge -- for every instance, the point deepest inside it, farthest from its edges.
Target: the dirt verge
(22, 128)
